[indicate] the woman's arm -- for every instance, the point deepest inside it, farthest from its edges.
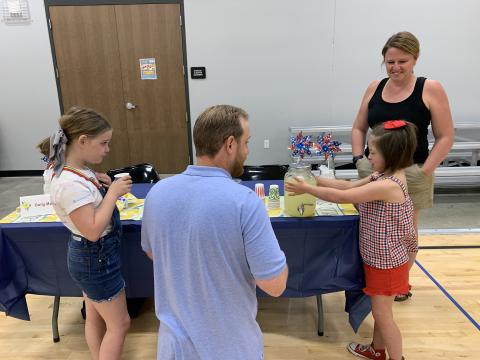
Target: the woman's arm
(436, 100)
(360, 125)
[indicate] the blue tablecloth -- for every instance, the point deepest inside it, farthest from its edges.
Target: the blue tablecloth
(322, 255)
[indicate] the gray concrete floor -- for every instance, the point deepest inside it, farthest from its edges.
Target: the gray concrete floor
(455, 208)
(11, 188)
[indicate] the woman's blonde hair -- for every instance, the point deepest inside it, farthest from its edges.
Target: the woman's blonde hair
(404, 41)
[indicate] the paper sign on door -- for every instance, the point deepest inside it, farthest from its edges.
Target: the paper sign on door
(148, 69)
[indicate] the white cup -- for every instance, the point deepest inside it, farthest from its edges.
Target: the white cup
(121, 175)
(326, 172)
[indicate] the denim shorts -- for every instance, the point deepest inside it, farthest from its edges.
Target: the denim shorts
(95, 266)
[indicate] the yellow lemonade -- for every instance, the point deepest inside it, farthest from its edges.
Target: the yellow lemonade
(299, 205)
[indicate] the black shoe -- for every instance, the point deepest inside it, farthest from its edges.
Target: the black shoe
(403, 297)
(83, 311)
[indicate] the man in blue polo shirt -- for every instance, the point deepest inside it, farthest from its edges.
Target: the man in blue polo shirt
(211, 242)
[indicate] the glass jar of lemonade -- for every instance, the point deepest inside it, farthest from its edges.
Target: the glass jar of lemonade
(299, 205)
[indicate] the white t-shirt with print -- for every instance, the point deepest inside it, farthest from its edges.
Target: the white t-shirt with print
(69, 192)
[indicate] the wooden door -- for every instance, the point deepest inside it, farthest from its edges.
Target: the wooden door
(89, 70)
(98, 51)
(157, 127)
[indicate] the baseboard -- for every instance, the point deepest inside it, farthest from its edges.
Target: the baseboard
(15, 173)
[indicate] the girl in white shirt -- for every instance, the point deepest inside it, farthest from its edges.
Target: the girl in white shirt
(89, 211)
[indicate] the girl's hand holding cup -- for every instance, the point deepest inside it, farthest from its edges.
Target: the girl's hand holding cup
(122, 184)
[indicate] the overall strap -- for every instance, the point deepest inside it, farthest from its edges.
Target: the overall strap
(116, 224)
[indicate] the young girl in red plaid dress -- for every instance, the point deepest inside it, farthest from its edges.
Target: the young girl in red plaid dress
(387, 233)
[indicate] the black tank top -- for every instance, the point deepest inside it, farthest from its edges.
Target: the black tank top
(411, 109)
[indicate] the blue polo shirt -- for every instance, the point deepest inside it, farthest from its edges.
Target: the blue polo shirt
(210, 238)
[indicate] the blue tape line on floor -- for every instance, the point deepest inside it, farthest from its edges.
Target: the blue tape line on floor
(459, 307)
(454, 247)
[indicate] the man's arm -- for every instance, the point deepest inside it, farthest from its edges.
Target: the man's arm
(266, 260)
(275, 286)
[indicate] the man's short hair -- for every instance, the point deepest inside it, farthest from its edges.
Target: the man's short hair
(214, 125)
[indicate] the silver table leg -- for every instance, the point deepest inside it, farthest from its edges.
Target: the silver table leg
(320, 315)
(56, 307)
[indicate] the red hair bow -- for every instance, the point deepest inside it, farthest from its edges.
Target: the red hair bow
(394, 124)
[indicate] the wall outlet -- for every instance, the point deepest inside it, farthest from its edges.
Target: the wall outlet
(266, 144)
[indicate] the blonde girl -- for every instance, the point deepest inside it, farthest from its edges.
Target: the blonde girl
(88, 210)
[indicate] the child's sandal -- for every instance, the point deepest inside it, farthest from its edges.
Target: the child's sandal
(403, 297)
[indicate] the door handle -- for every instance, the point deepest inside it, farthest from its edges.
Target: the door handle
(130, 106)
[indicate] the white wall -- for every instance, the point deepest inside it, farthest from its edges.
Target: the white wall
(306, 62)
(288, 63)
(448, 31)
(29, 107)
(273, 58)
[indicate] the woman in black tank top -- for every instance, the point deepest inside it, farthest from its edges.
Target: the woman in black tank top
(418, 100)
(411, 109)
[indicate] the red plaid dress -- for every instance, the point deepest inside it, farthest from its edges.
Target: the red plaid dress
(387, 233)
